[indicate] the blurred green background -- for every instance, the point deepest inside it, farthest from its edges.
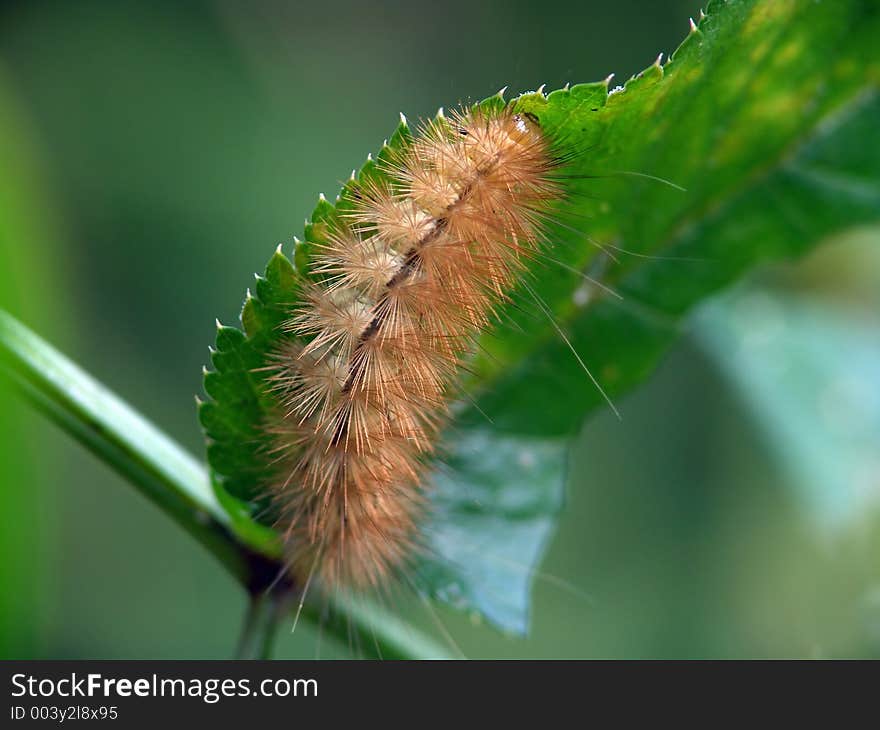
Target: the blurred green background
(152, 155)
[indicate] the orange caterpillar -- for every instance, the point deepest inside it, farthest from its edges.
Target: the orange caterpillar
(406, 284)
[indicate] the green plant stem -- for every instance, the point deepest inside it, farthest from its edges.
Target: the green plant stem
(248, 627)
(179, 485)
(260, 625)
(278, 609)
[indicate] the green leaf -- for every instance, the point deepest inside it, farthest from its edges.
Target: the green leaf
(768, 114)
(494, 508)
(762, 115)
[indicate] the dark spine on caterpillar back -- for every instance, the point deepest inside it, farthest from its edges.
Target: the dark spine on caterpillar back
(410, 278)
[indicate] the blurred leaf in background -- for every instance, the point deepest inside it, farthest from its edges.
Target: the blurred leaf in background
(809, 375)
(29, 514)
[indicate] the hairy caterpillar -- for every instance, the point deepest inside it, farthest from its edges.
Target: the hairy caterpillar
(404, 285)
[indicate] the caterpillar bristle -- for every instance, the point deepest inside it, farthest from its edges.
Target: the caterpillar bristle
(411, 273)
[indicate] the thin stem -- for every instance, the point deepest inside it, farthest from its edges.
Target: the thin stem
(166, 474)
(180, 486)
(279, 608)
(248, 627)
(260, 625)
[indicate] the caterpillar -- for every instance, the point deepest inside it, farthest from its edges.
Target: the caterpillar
(403, 286)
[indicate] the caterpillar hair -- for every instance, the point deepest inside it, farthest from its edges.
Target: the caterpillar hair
(405, 283)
